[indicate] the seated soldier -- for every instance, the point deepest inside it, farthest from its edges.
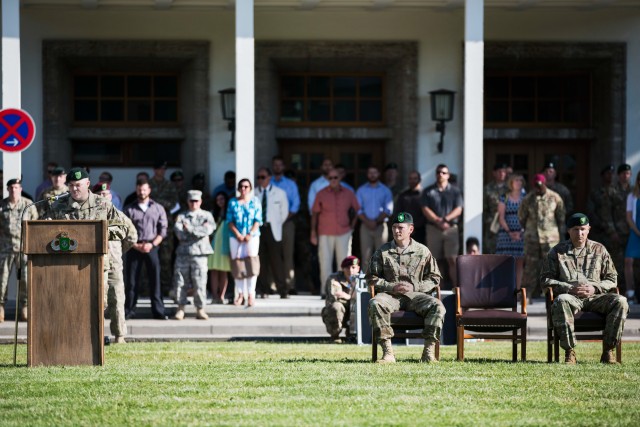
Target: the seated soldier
(403, 272)
(339, 289)
(581, 273)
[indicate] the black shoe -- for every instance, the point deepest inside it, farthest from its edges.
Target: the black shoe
(161, 317)
(293, 292)
(284, 296)
(130, 315)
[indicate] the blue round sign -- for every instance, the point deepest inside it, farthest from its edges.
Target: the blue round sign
(17, 130)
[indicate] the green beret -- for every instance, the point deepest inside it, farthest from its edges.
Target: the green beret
(14, 181)
(577, 220)
(76, 174)
(403, 218)
(624, 167)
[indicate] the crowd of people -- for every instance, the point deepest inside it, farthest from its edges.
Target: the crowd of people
(176, 238)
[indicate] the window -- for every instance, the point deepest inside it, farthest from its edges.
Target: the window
(125, 152)
(328, 99)
(125, 99)
(542, 99)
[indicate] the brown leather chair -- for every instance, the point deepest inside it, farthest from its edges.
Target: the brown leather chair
(486, 302)
(405, 324)
(585, 326)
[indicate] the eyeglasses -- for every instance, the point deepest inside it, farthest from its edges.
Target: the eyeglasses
(442, 173)
(332, 178)
(262, 177)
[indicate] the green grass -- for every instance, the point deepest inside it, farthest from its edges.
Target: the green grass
(247, 383)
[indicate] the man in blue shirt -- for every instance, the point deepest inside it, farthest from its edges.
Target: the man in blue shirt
(376, 205)
(289, 227)
(319, 183)
(228, 186)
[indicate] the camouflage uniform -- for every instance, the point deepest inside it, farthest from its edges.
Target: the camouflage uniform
(415, 265)
(193, 230)
(336, 310)
(49, 192)
(114, 296)
(492, 193)
(165, 193)
(542, 217)
(10, 228)
(564, 192)
(600, 215)
(619, 225)
(560, 271)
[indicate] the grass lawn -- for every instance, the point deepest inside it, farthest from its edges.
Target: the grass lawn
(248, 383)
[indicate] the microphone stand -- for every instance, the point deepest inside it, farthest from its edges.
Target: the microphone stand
(20, 268)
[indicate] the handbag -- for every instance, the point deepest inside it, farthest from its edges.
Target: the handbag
(495, 224)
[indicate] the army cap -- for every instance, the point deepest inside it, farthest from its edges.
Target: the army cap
(624, 167)
(100, 187)
(577, 220)
(76, 174)
(59, 170)
(539, 178)
(403, 218)
(177, 176)
(194, 195)
(549, 165)
(349, 261)
(499, 166)
(608, 168)
(160, 164)
(14, 181)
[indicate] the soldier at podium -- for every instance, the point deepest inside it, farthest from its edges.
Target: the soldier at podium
(10, 226)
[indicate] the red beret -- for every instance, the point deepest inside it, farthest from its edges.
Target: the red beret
(101, 186)
(349, 261)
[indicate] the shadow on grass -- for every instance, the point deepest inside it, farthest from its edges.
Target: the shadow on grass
(11, 365)
(320, 360)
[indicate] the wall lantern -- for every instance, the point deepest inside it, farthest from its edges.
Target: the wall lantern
(441, 111)
(228, 103)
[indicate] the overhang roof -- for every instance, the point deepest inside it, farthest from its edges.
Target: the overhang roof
(305, 5)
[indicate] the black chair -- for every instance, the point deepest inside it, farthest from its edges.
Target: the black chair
(585, 324)
(486, 302)
(405, 324)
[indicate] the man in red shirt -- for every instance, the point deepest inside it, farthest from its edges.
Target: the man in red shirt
(333, 217)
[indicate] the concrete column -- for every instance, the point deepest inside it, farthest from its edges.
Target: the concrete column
(473, 117)
(11, 86)
(245, 91)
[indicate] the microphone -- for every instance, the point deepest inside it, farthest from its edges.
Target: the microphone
(58, 197)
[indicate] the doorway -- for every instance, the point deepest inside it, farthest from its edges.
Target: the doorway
(571, 160)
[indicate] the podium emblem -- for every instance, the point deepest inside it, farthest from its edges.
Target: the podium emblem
(62, 243)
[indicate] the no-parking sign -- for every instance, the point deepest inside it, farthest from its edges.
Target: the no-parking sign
(17, 130)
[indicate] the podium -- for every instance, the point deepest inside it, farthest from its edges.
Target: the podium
(65, 261)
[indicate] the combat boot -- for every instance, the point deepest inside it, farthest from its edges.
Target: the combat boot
(387, 352)
(24, 314)
(201, 314)
(119, 340)
(1, 313)
(608, 357)
(570, 357)
(336, 339)
(429, 352)
(179, 313)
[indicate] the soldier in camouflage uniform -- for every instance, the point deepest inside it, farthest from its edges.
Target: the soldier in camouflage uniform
(164, 193)
(403, 273)
(541, 214)
(339, 289)
(10, 231)
(620, 228)
(114, 296)
(58, 178)
(193, 229)
(550, 174)
(492, 193)
(600, 209)
(581, 273)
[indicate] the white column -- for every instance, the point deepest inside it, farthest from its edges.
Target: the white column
(245, 91)
(11, 86)
(473, 117)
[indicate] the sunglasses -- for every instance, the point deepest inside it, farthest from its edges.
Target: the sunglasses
(193, 201)
(262, 177)
(442, 173)
(244, 186)
(332, 178)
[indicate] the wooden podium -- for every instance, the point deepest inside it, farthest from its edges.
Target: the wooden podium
(65, 262)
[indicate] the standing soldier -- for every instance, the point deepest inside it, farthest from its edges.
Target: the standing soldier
(164, 192)
(492, 193)
(58, 178)
(550, 174)
(193, 229)
(601, 209)
(114, 296)
(541, 214)
(10, 232)
(402, 273)
(620, 229)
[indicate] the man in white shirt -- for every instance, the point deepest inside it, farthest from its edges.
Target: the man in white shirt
(275, 211)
